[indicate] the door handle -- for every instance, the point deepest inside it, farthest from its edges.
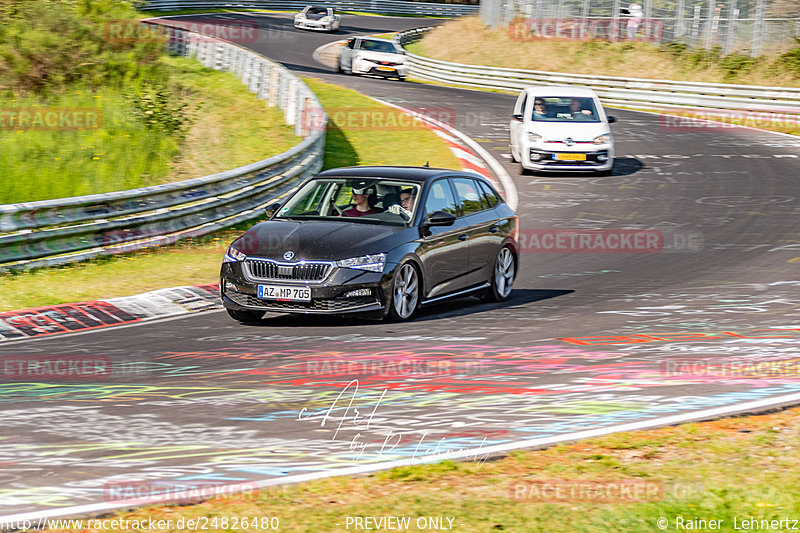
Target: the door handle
(493, 229)
(462, 237)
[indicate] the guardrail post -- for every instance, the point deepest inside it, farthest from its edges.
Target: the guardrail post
(290, 111)
(191, 47)
(274, 85)
(248, 67)
(237, 63)
(263, 84)
(300, 112)
(219, 51)
(211, 54)
(283, 96)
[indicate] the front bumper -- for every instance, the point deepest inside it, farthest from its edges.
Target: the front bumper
(369, 67)
(315, 25)
(238, 292)
(541, 159)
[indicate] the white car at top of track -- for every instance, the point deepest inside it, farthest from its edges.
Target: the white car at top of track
(561, 129)
(318, 18)
(370, 55)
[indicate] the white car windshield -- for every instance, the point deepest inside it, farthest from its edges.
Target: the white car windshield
(378, 46)
(564, 109)
(356, 199)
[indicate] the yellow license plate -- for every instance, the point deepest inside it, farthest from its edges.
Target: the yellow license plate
(386, 69)
(571, 157)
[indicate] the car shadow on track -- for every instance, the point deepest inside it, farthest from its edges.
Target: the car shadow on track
(623, 166)
(449, 309)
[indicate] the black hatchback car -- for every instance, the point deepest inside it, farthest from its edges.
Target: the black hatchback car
(377, 241)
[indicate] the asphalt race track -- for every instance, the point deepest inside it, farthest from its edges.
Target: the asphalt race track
(588, 341)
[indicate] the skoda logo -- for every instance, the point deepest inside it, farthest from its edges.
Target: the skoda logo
(288, 255)
(568, 141)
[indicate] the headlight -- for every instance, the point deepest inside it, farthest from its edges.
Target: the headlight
(534, 137)
(326, 19)
(373, 263)
(603, 139)
(233, 255)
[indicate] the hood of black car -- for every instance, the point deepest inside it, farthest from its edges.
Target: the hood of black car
(317, 240)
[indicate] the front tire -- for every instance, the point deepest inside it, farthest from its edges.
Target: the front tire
(246, 317)
(503, 276)
(405, 292)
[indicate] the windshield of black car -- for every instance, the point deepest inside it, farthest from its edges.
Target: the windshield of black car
(564, 109)
(355, 199)
(378, 46)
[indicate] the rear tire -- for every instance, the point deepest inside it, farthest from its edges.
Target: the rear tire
(503, 276)
(406, 287)
(246, 317)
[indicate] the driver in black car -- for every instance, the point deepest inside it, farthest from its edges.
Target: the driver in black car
(406, 205)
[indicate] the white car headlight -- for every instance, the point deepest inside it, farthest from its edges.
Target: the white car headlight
(534, 137)
(602, 139)
(233, 255)
(373, 263)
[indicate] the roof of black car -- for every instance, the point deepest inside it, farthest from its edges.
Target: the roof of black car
(406, 173)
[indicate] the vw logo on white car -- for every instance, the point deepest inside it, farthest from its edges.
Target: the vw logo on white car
(288, 255)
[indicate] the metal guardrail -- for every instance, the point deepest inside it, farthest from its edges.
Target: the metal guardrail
(366, 6)
(59, 231)
(613, 90)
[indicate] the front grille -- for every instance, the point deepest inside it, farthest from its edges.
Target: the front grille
(591, 159)
(271, 270)
(332, 304)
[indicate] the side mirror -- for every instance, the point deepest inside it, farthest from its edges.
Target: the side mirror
(612, 119)
(271, 209)
(517, 116)
(440, 218)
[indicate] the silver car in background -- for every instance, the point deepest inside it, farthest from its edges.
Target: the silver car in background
(318, 18)
(373, 56)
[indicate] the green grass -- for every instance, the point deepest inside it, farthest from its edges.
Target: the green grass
(187, 263)
(198, 262)
(229, 127)
(740, 467)
(374, 145)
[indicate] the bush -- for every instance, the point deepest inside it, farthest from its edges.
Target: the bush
(791, 60)
(159, 107)
(735, 64)
(49, 44)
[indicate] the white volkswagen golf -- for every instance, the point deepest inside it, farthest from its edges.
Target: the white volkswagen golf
(561, 128)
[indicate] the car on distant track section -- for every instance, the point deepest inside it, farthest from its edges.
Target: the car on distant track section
(318, 18)
(375, 241)
(373, 56)
(561, 129)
